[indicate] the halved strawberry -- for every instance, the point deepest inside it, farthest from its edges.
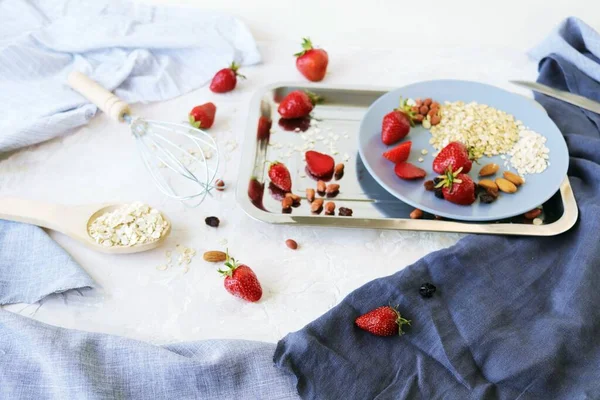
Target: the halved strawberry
(399, 153)
(320, 165)
(408, 171)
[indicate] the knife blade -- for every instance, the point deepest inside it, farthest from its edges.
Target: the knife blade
(567, 97)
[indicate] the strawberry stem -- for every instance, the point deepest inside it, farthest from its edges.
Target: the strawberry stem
(306, 45)
(193, 122)
(400, 321)
(231, 265)
(406, 109)
(234, 67)
(314, 98)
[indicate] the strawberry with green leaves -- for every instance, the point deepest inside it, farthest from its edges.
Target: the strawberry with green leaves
(397, 123)
(311, 62)
(203, 116)
(226, 79)
(241, 281)
(297, 104)
(382, 321)
(457, 188)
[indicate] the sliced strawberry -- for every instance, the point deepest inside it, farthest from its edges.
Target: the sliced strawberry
(320, 165)
(408, 171)
(399, 153)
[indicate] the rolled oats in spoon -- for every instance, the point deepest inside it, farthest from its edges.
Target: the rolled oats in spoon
(129, 225)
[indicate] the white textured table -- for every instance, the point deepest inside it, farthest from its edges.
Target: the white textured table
(99, 163)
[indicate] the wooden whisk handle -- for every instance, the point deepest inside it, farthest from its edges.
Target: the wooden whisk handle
(113, 106)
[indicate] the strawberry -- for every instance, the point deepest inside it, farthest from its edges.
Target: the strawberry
(241, 281)
(457, 188)
(408, 171)
(203, 116)
(263, 131)
(319, 165)
(399, 153)
(297, 104)
(396, 124)
(280, 176)
(226, 79)
(311, 62)
(382, 321)
(454, 156)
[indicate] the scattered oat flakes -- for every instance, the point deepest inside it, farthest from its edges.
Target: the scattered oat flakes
(421, 159)
(538, 221)
(424, 152)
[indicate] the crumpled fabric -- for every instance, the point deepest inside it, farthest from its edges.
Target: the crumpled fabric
(513, 317)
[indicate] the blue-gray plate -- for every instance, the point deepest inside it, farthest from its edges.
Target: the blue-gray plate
(537, 189)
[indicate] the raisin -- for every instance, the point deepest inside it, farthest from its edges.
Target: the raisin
(429, 186)
(487, 198)
(439, 193)
(427, 290)
(345, 212)
(212, 221)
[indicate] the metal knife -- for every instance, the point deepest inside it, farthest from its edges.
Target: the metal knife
(567, 97)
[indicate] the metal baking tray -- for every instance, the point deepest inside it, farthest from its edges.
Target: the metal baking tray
(334, 130)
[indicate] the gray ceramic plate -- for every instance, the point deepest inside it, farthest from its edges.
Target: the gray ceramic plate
(537, 189)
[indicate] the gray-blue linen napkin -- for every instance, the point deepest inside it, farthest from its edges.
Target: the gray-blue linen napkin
(513, 318)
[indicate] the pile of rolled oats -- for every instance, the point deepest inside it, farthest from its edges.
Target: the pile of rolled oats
(530, 154)
(486, 130)
(132, 224)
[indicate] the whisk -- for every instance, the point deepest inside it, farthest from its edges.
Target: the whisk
(181, 159)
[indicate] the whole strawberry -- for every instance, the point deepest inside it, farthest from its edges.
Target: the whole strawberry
(382, 321)
(280, 176)
(297, 104)
(311, 62)
(457, 188)
(397, 123)
(226, 79)
(454, 156)
(203, 116)
(241, 281)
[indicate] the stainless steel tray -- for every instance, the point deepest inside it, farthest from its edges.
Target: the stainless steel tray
(334, 131)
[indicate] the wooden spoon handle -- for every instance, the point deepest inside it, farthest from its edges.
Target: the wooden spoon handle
(46, 215)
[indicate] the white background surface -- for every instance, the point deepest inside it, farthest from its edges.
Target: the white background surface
(98, 163)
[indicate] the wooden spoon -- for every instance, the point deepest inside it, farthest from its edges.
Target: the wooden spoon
(73, 221)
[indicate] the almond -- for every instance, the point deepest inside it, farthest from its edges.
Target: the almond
(339, 171)
(214, 256)
(514, 178)
(295, 199)
(489, 169)
(316, 206)
(310, 195)
(287, 203)
(488, 184)
(416, 214)
(291, 243)
(505, 185)
(533, 214)
(332, 189)
(330, 208)
(321, 187)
